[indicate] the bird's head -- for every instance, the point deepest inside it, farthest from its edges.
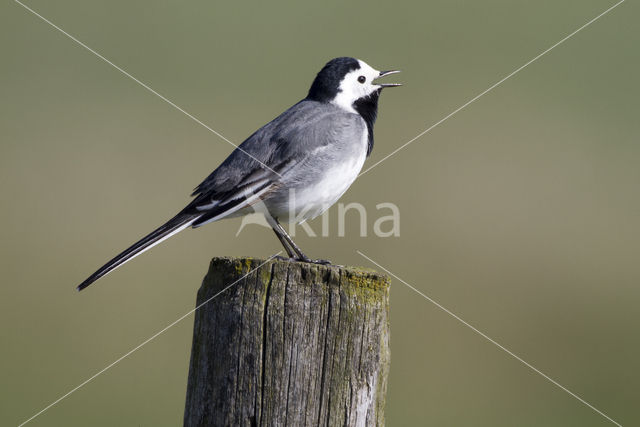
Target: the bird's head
(348, 82)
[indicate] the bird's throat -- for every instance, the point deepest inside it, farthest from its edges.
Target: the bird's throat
(367, 107)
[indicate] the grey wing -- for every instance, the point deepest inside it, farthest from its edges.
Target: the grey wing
(273, 157)
(319, 139)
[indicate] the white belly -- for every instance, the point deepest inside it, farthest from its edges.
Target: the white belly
(313, 200)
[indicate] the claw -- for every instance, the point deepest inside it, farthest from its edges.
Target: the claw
(313, 261)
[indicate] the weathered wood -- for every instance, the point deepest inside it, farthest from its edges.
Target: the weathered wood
(289, 343)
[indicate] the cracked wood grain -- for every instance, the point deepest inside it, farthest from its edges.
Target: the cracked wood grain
(291, 344)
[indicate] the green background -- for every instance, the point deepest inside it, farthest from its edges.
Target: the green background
(520, 213)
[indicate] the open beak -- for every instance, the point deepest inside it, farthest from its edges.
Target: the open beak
(386, 73)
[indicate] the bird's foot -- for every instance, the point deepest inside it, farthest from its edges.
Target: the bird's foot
(303, 259)
(313, 261)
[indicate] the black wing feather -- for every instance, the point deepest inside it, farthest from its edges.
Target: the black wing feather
(142, 244)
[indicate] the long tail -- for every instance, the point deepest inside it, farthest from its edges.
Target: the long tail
(168, 229)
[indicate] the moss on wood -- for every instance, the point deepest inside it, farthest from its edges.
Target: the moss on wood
(289, 344)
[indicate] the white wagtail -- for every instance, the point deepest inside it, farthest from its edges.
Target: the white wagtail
(295, 166)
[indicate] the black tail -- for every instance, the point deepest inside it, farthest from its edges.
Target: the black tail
(174, 225)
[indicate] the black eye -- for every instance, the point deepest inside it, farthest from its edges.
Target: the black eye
(362, 79)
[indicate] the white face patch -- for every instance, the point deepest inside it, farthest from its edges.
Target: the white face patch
(353, 87)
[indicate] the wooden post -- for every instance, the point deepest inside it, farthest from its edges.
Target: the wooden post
(291, 343)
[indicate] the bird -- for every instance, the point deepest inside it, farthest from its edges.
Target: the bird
(291, 169)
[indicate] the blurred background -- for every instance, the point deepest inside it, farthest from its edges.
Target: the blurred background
(520, 213)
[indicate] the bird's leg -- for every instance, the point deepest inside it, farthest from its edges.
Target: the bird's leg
(300, 255)
(284, 243)
(275, 225)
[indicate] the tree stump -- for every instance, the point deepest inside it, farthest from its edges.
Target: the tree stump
(289, 343)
